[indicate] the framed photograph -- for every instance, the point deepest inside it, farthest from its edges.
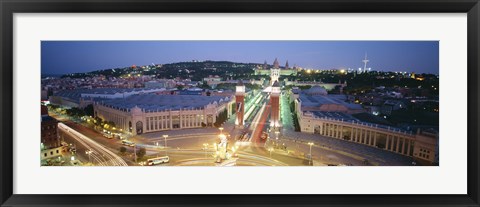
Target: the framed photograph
(237, 103)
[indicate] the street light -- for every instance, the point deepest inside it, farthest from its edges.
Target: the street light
(270, 150)
(221, 130)
(311, 144)
(276, 134)
(205, 147)
(165, 137)
(234, 150)
(88, 152)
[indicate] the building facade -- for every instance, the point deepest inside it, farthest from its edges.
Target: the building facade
(150, 113)
(422, 146)
(286, 71)
(50, 145)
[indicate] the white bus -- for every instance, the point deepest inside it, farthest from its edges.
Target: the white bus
(158, 160)
(128, 143)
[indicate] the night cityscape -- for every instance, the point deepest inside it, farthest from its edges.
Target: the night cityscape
(239, 103)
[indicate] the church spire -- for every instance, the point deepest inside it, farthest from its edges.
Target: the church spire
(265, 65)
(276, 65)
(286, 65)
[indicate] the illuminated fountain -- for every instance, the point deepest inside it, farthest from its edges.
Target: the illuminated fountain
(223, 156)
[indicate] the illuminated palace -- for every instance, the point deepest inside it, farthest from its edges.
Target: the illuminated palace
(266, 70)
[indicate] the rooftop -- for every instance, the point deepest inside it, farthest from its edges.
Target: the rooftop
(339, 116)
(76, 94)
(317, 101)
(152, 102)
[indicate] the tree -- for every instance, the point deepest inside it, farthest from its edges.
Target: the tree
(123, 149)
(221, 118)
(205, 85)
(89, 110)
(111, 124)
(141, 152)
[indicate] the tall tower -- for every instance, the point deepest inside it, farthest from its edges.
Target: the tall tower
(275, 106)
(274, 72)
(265, 65)
(276, 64)
(286, 65)
(239, 103)
(365, 61)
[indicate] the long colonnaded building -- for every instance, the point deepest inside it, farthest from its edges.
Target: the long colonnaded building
(331, 116)
(150, 112)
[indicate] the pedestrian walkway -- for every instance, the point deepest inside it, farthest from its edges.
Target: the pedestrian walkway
(287, 119)
(370, 153)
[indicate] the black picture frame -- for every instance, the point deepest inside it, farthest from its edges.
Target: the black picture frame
(10, 7)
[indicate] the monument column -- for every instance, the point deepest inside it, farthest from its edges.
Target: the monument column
(239, 104)
(275, 106)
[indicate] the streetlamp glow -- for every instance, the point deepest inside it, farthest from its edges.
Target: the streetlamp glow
(311, 144)
(88, 152)
(205, 147)
(270, 150)
(165, 137)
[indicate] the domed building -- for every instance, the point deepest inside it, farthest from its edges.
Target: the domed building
(317, 99)
(316, 90)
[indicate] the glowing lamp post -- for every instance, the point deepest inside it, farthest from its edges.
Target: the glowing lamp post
(205, 147)
(165, 137)
(88, 152)
(311, 144)
(270, 150)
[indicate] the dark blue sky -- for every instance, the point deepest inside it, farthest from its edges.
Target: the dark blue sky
(61, 57)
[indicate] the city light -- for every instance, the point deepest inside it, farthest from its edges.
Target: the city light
(120, 116)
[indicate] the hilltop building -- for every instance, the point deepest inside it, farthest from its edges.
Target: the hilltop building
(285, 71)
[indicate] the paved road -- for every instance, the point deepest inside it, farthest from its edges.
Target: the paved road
(261, 125)
(100, 154)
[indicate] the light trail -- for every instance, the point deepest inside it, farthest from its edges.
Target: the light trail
(97, 149)
(255, 120)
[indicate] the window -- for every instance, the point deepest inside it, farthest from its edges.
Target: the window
(45, 154)
(51, 152)
(57, 151)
